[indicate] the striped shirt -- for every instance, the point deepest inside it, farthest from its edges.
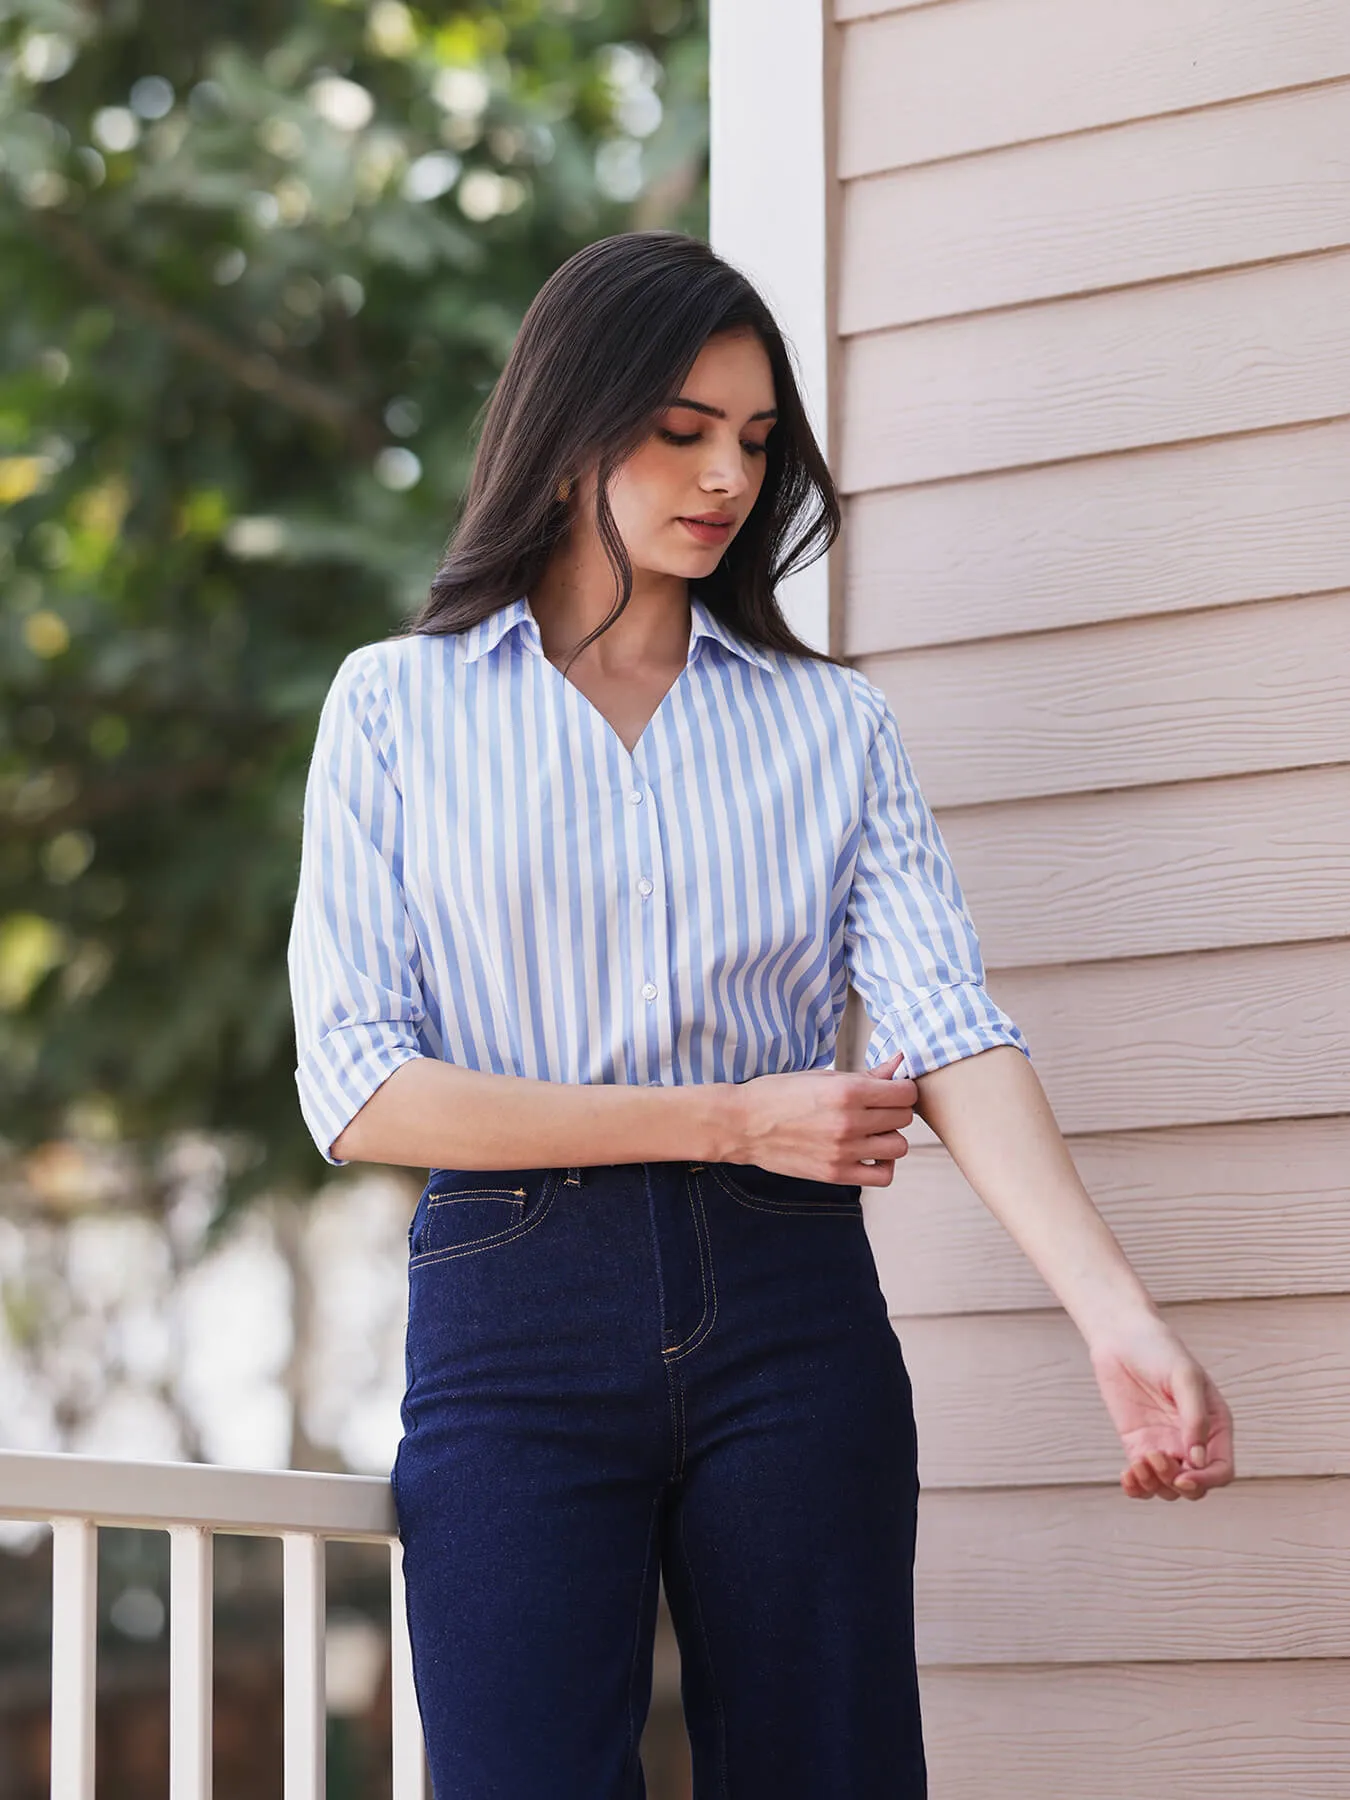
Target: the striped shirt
(489, 877)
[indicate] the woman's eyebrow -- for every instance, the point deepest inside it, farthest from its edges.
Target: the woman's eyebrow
(715, 412)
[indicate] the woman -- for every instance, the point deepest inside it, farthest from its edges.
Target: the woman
(591, 857)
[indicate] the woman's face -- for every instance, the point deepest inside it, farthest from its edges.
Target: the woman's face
(704, 462)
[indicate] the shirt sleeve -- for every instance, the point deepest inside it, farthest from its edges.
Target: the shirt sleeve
(353, 956)
(910, 947)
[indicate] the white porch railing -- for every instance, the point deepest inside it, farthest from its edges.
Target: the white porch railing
(192, 1502)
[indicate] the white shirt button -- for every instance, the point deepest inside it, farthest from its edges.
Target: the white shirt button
(649, 990)
(644, 886)
(635, 795)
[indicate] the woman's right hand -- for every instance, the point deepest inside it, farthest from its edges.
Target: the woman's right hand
(824, 1124)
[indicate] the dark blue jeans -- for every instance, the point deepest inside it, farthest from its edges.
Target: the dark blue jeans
(675, 1369)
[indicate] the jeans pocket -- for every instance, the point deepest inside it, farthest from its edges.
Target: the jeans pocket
(765, 1190)
(464, 1211)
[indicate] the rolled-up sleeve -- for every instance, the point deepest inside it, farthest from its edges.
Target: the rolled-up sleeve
(352, 956)
(910, 947)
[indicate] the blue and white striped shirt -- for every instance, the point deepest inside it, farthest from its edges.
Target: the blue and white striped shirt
(489, 877)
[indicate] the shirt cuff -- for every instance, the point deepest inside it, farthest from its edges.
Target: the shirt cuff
(342, 1071)
(942, 1027)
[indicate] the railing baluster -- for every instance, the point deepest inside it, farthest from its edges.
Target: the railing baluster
(304, 1614)
(190, 1585)
(78, 1494)
(410, 1766)
(74, 1639)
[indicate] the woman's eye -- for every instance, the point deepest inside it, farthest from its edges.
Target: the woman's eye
(675, 437)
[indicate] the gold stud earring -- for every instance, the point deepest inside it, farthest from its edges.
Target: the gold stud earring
(565, 487)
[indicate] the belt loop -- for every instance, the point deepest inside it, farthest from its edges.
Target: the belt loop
(573, 1178)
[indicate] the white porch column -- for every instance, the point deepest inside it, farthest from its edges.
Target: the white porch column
(769, 213)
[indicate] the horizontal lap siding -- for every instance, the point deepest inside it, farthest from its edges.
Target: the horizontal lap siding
(973, 75)
(1210, 354)
(1204, 1212)
(1127, 704)
(1079, 1574)
(1157, 530)
(1201, 865)
(1001, 1402)
(1093, 432)
(863, 9)
(1207, 190)
(1246, 1731)
(1188, 1040)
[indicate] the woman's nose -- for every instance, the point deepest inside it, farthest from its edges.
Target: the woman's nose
(725, 474)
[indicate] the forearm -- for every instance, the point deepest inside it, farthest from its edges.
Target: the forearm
(992, 1114)
(433, 1114)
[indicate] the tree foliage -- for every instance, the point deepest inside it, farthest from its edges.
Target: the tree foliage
(259, 266)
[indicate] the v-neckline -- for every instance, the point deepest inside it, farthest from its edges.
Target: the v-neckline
(595, 711)
(604, 723)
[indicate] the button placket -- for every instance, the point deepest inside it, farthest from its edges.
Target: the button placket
(651, 976)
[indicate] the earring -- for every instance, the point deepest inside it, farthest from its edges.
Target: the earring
(564, 487)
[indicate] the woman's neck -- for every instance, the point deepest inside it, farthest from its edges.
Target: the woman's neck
(573, 597)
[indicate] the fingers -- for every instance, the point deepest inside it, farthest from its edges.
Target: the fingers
(896, 1117)
(1159, 1475)
(1207, 1431)
(1192, 1399)
(1156, 1473)
(887, 1088)
(886, 1145)
(1152, 1476)
(878, 1156)
(1194, 1484)
(877, 1171)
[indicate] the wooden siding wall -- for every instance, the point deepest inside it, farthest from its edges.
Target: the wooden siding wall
(1092, 410)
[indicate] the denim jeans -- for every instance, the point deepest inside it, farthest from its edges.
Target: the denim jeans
(635, 1370)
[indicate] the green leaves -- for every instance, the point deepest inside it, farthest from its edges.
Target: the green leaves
(259, 268)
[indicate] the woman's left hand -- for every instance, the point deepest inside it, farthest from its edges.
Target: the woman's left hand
(1164, 1405)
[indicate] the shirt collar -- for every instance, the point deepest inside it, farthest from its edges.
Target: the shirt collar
(517, 615)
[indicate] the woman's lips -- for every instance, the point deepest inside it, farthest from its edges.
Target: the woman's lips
(707, 533)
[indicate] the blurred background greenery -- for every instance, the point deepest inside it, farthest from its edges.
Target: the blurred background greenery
(260, 263)
(259, 266)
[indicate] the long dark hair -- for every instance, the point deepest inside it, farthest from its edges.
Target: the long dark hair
(605, 344)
